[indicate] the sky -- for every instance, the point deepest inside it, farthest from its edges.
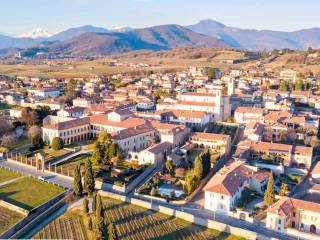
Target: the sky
(22, 16)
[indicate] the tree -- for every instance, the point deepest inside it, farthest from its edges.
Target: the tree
(314, 142)
(57, 143)
(99, 216)
(89, 183)
(29, 116)
(70, 91)
(7, 140)
(112, 233)
(283, 86)
(94, 202)
(284, 189)
(298, 85)
(77, 182)
(4, 126)
(35, 135)
(169, 166)
(269, 195)
(85, 205)
(90, 224)
(191, 182)
(198, 168)
(153, 191)
(98, 153)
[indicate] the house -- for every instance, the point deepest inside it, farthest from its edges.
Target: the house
(135, 139)
(285, 154)
(290, 213)
(248, 114)
(155, 154)
(212, 141)
(225, 188)
(188, 118)
(45, 92)
(254, 131)
(73, 112)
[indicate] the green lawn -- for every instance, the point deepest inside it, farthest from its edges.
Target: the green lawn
(8, 218)
(6, 175)
(28, 193)
(52, 154)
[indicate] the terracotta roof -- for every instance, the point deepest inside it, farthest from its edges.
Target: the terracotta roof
(69, 124)
(102, 119)
(160, 147)
(210, 136)
(286, 205)
(130, 132)
(250, 110)
(228, 179)
(316, 169)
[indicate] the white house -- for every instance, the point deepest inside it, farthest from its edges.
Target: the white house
(45, 92)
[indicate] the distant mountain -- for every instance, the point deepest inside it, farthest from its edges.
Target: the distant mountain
(155, 38)
(120, 29)
(259, 40)
(37, 33)
(74, 32)
(12, 42)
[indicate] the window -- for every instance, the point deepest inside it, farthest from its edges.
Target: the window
(222, 197)
(279, 221)
(301, 225)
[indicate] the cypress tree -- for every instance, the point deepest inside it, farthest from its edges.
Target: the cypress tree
(85, 206)
(269, 196)
(90, 223)
(77, 182)
(94, 202)
(283, 189)
(88, 178)
(198, 168)
(112, 233)
(99, 216)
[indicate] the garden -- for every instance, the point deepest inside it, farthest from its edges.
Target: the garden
(28, 192)
(175, 182)
(220, 128)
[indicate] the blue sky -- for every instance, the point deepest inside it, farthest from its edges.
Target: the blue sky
(20, 16)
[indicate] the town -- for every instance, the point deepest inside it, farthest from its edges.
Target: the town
(160, 120)
(237, 147)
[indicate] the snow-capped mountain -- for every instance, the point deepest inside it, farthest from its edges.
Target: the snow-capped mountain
(37, 33)
(120, 29)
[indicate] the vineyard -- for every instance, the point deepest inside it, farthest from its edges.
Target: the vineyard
(68, 226)
(131, 222)
(8, 218)
(137, 223)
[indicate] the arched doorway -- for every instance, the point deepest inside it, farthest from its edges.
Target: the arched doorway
(313, 228)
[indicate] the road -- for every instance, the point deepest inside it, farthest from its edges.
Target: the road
(29, 171)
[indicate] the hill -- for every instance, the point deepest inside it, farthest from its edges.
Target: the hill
(259, 39)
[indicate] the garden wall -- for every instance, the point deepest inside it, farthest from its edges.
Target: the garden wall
(13, 208)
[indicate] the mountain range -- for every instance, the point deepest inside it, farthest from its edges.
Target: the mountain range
(90, 40)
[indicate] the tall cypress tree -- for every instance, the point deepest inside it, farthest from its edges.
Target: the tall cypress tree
(77, 182)
(85, 206)
(112, 233)
(99, 215)
(198, 168)
(88, 178)
(269, 196)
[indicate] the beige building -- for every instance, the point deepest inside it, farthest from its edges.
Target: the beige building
(294, 213)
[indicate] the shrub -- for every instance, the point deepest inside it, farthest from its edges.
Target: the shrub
(57, 143)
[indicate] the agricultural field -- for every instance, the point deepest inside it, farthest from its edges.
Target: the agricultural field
(131, 222)
(28, 193)
(6, 175)
(68, 226)
(8, 218)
